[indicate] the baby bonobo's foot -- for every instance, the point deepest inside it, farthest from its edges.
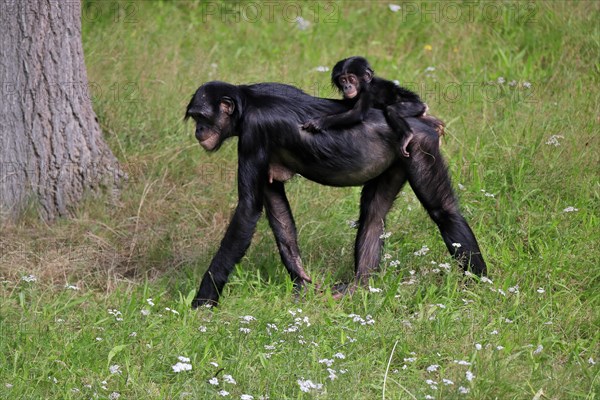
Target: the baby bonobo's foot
(404, 142)
(312, 125)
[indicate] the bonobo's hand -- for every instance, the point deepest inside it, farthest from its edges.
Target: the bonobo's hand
(313, 125)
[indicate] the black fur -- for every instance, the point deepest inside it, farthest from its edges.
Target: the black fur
(267, 119)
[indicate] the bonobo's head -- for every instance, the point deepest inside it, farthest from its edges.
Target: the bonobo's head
(216, 109)
(351, 76)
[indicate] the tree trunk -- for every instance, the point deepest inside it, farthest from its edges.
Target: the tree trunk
(51, 147)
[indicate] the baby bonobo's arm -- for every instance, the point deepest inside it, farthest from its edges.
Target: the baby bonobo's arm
(350, 117)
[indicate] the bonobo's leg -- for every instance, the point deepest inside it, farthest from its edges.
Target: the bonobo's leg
(283, 226)
(400, 127)
(377, 198)
(233, 247)
(429, 179)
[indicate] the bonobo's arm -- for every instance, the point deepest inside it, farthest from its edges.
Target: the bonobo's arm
(252, 175)
(351, 117)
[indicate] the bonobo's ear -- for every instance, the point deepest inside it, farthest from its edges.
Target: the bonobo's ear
(227, 105)
(368, 75)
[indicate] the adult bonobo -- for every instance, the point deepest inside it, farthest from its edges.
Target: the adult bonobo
(267, 118)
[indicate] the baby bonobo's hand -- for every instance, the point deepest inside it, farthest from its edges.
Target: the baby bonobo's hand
(312, 125)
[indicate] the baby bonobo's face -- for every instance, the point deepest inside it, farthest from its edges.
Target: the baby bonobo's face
(350, 85)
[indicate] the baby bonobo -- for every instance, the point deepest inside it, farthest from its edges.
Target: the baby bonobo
(355, 79)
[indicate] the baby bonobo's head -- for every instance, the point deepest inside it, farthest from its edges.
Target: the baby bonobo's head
(351, 76)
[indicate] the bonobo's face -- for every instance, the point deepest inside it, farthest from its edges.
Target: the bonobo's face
(212, 110)
(352, 76)
(350, 85)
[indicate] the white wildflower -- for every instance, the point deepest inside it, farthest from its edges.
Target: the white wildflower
(29, 278)
(469, 375)
(302, 24)
(553, 140)
(424, 250)
(538, 350)
(433, 368)
(180, 366)
(447, 382)
(463, 390)
(114, 396)
(322, 68)
(541, 290)
(326, 361)
(246, 397)
(478, 346)
(307, 385)
(245, 330)
(114, 369)
(223, 393)
(375, 290)
(570, 209)
(591, 361)
(229, 379)
(246, 319)
(456, 245)
(394, 7)
(214, 381)
(150, 302)
(339, 355)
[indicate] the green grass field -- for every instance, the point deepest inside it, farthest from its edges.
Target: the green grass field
(106, 313)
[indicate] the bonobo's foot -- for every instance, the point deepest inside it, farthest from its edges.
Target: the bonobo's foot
(404, 142)
(302, 288)
(199, 302)
(312, 125)
(206, 296)
(340, 290)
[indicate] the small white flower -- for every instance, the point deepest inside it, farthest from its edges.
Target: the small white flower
(246, 319)
(150, 302)
(326, 361)
(339, 355)
(246, 397)
(302, 24)
(538, 350)
(461, 187)
(133, 334)
(447, 382)
(433, 368)
(591, 361)
(29, 278)
(514, 289)
(183, 359)
(570, 209)
(179, 367)
(322, 68)
(541, 290)
(478, 346)
(410, 359)
(214, 381)
(223, 393)
(485, 279)
(463, 390)
(332, 376)
(307, 385)
(553, 140)
(202, 329)
(394, 7)
(494, 332)
(114, 396)
(245, 330)
(499, 347)
(375, 290)
(526, 85)
(456, 245)
(71, 287)
(462, 362)
(469, 375)
(385, 235)
(424, 250)
(214, 364)
(114, 369)
(229, 379)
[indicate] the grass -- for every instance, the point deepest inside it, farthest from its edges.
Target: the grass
(532, 332)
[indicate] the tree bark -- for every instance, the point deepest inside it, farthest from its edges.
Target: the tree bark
(51, 147)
